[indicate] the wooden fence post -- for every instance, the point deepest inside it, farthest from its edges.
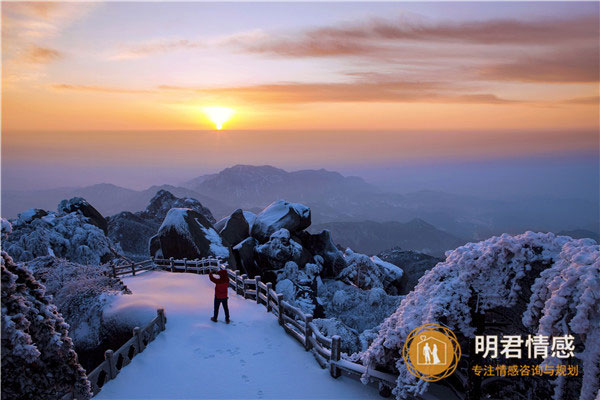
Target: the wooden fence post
(114, 269)
(335, 356)
(138, 338)
(307, 331)
(185, 264)
(257, 280)
(244, 276)
(161, 320)
(237, 282)
(112, 369)
(198, 266)
(172, 262)
(269, 286)
(280, 308)
(133, 269)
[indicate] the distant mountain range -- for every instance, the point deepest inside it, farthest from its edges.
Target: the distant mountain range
(333, 197)
(373, 237)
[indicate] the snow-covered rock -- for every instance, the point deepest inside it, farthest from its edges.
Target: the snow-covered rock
(371, 272)
(235, 228)
(164, 200)
(478, 278)
(38, 358)
(280, 214)
(249, 216)
(414, 265)
(321, 244)
(277, 251)
(132, 232)
(71, 236)
(244, 256)
(5, 228)
(185, 233)
(81, 206)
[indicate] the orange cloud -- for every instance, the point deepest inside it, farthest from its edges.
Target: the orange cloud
(40, 55)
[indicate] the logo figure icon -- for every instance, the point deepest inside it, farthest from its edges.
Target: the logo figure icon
(431, 352)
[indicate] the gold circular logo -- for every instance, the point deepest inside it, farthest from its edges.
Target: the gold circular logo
(431, 352)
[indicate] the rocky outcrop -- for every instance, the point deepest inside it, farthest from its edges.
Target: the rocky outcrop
(243, 254)
(322, 245)
(414, 265)
(235, 229)
(131, 232)
(280, 214)
(185, 233)
(81, 206)
(164, 200)
(66, 234)
(280, 249)
(371, 272)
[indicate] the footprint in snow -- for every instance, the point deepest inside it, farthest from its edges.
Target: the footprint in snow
(258, 352)
(209, 356)
(260, 394)
(243, 362)
(245, 378)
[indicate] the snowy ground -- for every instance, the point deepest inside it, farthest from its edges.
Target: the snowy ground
(195, 358)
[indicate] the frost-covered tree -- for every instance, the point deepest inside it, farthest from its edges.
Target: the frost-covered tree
(70, 236)
(498, 286)
(38, 359)
(81, 293)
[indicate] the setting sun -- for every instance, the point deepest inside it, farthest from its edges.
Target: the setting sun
(219, 115)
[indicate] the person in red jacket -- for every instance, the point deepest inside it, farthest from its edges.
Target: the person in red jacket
(221, 281)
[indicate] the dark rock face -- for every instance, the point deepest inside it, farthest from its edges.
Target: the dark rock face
(164, 200)
(244, 256)
(235, 229)
(31, 215)
(185, 233)
(132, 231)
(322, 245)
(414, 265)
(280, 214)
(81, 206)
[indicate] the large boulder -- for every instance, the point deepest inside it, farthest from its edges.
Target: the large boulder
(414, 265)
(80, 205)
(371, 272)
(243, 254)
(235, 229)
(280, 214)
(249, 216)
(322, 245)
(185, 233)
(280, 249)
(71, 236)
(131, 232)
(164, 200)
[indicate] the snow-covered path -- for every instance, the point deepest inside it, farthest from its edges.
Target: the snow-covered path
(195, 358)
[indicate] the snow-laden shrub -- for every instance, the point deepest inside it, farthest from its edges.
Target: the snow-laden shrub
(494, 274)
(38, 359)
(81, 293)
(566, 300)
(350, 342)
(69, 236)
(370, 272)
(356, 308)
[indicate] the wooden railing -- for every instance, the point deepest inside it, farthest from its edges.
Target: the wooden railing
(294, 321)
(115, 361)
(132, 268)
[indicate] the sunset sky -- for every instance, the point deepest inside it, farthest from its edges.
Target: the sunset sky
(103, 86)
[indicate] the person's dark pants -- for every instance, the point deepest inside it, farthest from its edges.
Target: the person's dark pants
(225, 308)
